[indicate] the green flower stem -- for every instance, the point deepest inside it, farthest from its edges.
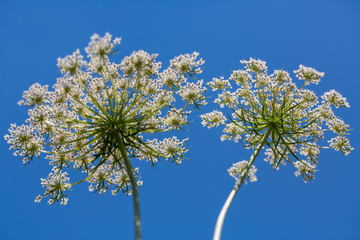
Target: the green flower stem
(225, 208)
(134, 187)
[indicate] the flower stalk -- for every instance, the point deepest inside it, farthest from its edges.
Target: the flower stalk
(136, 202)
(239, 182)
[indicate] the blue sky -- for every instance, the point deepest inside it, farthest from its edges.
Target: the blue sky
(183, 202)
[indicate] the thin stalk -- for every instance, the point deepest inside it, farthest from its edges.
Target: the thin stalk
(134, 187)
(225, 208)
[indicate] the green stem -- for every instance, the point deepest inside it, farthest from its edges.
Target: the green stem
(134, 187)
(225, 208)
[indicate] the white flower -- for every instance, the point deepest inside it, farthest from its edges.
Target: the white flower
(38, 199)
(187, 63)
(306, 169)
(226, 99)
(140, 61)
(36, 95)
(64, 201)
(335, 98)
(71, 64)
(217, 84)
(269, 110)
(213, 119)
(256, 66)
(233, 132)
(55, 184)
(338, 126)
(100, 114)
(170, 148)
(237, 170)
(100, 47)
(341, 143)
(309, 74)
(193, 93)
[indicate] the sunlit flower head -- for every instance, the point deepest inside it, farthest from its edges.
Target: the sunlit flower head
(100, 111)
(238, 168)
(270, 110)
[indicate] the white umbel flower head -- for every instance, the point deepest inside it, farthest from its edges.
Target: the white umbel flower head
(269, 110)
(237, 170)
(102, 114)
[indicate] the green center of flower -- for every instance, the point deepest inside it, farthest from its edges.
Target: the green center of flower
(272, 124)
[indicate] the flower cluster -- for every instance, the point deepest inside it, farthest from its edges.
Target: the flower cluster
(55, 185)
(238, 168)
(270, 110)
(101, 113)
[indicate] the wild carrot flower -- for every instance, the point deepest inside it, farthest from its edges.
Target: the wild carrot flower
(102, 114)
(269, 110)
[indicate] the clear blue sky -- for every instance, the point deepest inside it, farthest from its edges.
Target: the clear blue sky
(183, 202)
